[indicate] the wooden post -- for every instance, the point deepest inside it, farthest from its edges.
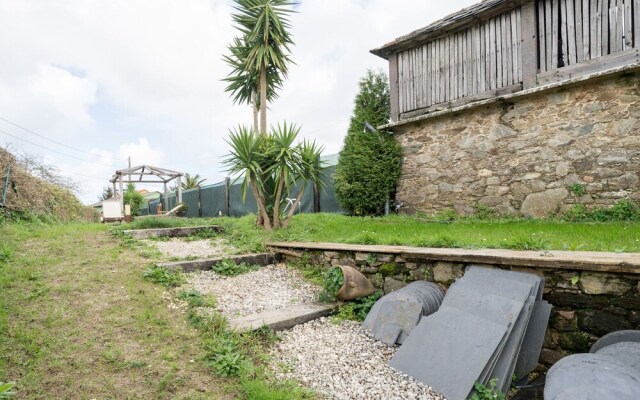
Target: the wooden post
(393, 87)
(227, 204)
(179, 189)
(121, 195)
(529, 46)
(316, 199)
(166, 197)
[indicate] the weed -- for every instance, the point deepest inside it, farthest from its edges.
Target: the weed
(228, 267)
(483, 392)
(312, 272)
(577, 189)
(5, 390)
(624, 210)
(358, 309)
(575, 279)
(345, 312)
(527, 243)
(483, 212)
(164, 276)
(6, 253)
(195, 299)
(333, 280)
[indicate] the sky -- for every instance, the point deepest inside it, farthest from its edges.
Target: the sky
(86, 84)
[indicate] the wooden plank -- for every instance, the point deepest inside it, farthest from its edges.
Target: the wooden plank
(624, 263)
(487, 54)
(564, 33)
(572, 35)
(500, 48)
(454, 67)
(613, 23)
(478, 78)
(393, 87)
(555, 19)
(425, 74)
(636, 24)
(586, 43)
(596, 28)
(439, 70)
(519, 41)
(542, 49)
(605, 27)
(548, 15)
(493, 54)
(592, 66)
(618, 39)
(400, 83)
(529, 46)
(628, 25)
(461, 58)
(509, 48)
(578, 28)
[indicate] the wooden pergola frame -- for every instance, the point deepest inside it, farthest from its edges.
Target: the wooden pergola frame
(147, 174)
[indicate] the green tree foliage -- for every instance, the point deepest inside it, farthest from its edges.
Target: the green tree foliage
(369, 163)
(133, 198)
(260, 56)
(107, 193)
(272, 164)
(192, 181)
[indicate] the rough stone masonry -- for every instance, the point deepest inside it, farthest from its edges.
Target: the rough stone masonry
(533, 155)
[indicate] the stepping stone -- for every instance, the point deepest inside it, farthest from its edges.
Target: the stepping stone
(284, 318)
(615, 337)
(627, 352)
(171, 232)
(206, 264)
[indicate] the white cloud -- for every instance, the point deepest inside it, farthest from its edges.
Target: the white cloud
(143, 77)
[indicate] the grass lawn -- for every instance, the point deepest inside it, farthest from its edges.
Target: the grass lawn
(429, 232)
(77, 321)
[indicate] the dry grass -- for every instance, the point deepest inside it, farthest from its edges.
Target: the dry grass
(77, 320)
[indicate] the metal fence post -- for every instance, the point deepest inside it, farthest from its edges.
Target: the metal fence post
(227, 185)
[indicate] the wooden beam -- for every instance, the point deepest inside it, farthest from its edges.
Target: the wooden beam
(529, 45)
(393, 86)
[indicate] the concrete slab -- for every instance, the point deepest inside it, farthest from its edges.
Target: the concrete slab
(627, 352)
(615, 337)
(533, 339)
(442, 353)
(171, 232)
(284, 318)
(207, 263)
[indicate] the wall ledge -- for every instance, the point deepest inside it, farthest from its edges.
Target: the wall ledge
(623, 263)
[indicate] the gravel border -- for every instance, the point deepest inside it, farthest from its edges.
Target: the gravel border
(181, 248)
(342, 361)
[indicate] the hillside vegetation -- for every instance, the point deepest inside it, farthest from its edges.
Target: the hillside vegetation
(31, 197)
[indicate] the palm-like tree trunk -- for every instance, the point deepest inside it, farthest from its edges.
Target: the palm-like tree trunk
(285, 223)
(276, 205)
(262, 210)
(263, 99)
(254, 105)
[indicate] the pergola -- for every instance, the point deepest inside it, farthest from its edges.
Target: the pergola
(147, 174)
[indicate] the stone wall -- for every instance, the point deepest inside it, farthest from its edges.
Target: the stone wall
(526, 155)
(586, 305)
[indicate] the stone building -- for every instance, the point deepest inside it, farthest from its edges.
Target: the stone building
(524, 106)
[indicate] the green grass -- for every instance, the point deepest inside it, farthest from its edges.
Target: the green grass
(433, 231)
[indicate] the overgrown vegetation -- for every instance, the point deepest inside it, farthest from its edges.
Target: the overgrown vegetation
(357, 310)
(333, 280)
(133, 198)
(163, 276)
(369, 162)
(624, 210)
(5, 390)
(37, 192)
(228, 267)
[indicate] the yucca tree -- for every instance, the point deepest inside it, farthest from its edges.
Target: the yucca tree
(311, 170)
(269, 165)
(263, 49)
(244, 82)
(192, 181)
(246, 160)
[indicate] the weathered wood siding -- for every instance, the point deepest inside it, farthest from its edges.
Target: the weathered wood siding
(539, 42)
(480, 58)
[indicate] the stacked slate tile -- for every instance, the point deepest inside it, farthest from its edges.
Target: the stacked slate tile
(394, 316)
(611, 371)
(490, 326)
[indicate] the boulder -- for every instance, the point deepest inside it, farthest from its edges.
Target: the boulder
(543, 204)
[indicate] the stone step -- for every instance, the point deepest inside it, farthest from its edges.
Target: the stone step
(205, 264)
(171, 232)
(284, 318)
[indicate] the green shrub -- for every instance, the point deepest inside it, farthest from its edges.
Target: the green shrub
(133, 198)
(164, 276)
(483, 212)
(369, 163)
(624, 210)
(577, 189)
(228, 267)
(333, 280)
(6, 253)
(577, 213)
(357, 309)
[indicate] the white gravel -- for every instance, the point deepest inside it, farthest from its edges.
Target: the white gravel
(269, 288)
(181, 248)
(342, 361)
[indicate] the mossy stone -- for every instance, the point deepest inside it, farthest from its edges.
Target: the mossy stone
(389, 269)
(574, 341)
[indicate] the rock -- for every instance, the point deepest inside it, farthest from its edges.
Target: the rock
(491, 201)
(562, 169)
(574, 341)
(446, 272)
(614, 157)
(551, 357)
(597, 283)
(485, 173)
(600, 323)
(568, 315)
(543, 204)
(391, 284)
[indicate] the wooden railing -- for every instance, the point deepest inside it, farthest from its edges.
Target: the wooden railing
(537, 42)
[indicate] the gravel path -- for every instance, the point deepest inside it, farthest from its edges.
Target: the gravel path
(180, 248)
(268, 288)
(341, 361)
